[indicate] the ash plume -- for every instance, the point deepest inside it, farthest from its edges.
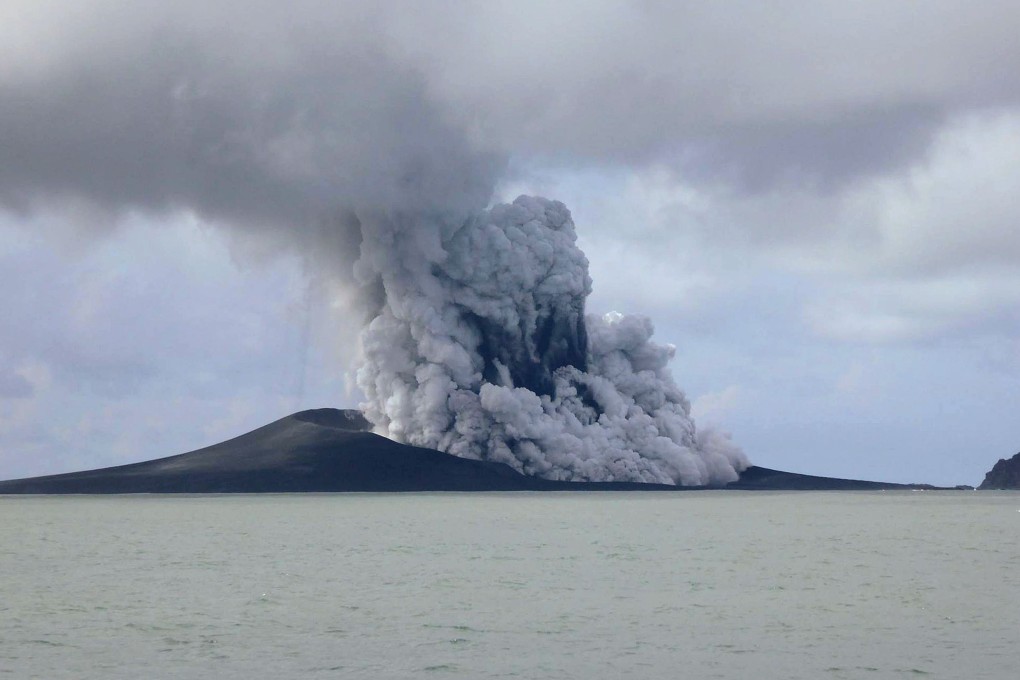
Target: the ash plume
(482, 349)
(316, 127)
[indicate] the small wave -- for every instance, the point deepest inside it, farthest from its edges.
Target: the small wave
(441, 667)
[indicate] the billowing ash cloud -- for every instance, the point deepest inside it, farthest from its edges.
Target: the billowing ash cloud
(276, 121)
(482, 349)
(321, 125)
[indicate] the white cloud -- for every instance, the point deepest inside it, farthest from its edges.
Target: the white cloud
(940, 253)
(958, 210)
(901, 257)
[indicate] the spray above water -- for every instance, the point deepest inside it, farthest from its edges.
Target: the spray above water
(482, 349)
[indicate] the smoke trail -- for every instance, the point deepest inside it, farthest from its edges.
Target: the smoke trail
(482, 349)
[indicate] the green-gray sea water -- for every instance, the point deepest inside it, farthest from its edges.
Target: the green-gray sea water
(594, 585)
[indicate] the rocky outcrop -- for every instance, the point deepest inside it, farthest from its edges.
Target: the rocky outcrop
(1004, 475)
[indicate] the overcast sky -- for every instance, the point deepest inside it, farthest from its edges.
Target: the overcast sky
(816, 202)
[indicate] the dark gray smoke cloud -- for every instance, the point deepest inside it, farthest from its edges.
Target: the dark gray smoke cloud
(244, 114)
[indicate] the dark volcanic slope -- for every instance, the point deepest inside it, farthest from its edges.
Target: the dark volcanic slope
(759, 478)
(319, 450)
(329, 450)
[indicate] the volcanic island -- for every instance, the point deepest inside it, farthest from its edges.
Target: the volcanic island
(333, 450)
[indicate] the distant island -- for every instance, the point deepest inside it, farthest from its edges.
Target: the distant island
(1005, 474)
(331, 450)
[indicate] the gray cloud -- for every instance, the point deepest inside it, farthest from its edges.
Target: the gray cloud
(820, 156)
(243, 113)
(250, 113)
(831, 90)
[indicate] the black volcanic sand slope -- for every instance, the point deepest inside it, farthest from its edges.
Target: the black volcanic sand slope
(317, 450)
(330, 450)
(758, 478)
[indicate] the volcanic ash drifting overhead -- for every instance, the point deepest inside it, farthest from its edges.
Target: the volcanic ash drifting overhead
(481, 348)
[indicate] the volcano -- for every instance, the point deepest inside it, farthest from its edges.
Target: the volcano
(330, 450)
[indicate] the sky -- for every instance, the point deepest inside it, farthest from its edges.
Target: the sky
(815, 202)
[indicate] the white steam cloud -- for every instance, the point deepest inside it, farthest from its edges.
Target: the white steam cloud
(482, 349)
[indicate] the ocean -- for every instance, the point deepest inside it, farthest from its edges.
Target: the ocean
(513, 585)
